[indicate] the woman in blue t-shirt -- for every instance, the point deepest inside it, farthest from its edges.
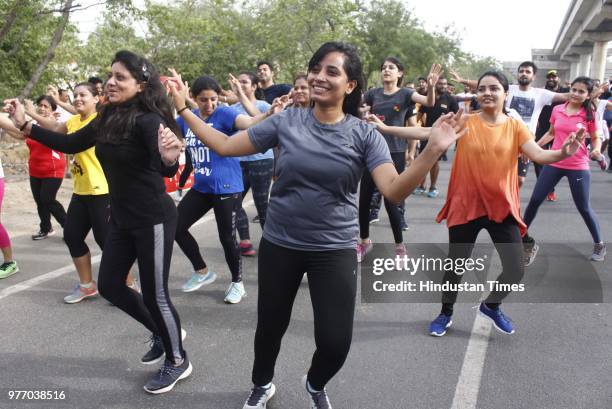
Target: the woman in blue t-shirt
(217, 185)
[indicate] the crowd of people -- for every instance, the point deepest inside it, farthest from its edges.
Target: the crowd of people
(319, 157)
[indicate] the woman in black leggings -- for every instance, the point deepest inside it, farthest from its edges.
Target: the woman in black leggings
(312, 217)
(135, 151)
(391, 104)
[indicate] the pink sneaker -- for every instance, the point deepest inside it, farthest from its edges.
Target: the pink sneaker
(80, 293)
(363, 249)
(400, 250)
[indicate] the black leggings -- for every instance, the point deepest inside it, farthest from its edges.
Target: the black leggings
(366, 190)
(152, 247)
(44, 191)
(332, 280)
(195, 205)
(85, 213)
(461, 243)
(256, 174)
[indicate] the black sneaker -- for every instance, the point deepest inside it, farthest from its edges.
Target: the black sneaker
(168, 376)
(156, 353)
(259, 397)
(318, 400)
(41, 235)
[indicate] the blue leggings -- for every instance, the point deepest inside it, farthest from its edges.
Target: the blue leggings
(579, 183)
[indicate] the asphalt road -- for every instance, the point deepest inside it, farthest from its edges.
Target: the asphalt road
(558, 358)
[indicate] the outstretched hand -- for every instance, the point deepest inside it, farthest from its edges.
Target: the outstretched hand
(434, 74)
(178, 89)
(573, 142)
(169, 145)
(455, 76)
(16, 111)
(446, 130)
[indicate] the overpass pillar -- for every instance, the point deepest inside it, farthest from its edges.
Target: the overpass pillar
(598, 67)
(584, 64)
(573, 71)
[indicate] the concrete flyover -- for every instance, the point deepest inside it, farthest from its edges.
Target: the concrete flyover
(581, 46)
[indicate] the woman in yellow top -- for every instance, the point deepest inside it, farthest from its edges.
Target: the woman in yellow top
(89, 207)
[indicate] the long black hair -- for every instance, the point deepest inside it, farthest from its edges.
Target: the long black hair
(353, 68)
(588, 104)
(499, 76)
(118, 120)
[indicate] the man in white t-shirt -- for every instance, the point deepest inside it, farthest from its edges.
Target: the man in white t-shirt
(528, 102)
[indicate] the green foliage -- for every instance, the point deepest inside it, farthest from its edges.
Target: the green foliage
(216, 37)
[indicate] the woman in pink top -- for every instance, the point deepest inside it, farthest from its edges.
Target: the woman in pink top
(576, 114)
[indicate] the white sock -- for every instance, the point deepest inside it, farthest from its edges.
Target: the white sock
(88, 285)
(267, 386)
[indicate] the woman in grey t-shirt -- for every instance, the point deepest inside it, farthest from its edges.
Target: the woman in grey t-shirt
(312, 223)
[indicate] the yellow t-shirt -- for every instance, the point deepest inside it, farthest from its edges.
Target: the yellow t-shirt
(86, 171)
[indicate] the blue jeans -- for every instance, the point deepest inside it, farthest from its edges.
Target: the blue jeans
(579, 183)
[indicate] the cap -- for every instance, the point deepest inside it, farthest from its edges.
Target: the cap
(551, 72)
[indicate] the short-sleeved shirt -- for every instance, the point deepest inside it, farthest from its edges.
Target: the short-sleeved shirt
(529, 103)
(313, 203)
(393, 110)
(483, 180)
(263, 107)
(564, 124)
(275, 91)
(87, 173)
(214, 174)
(444, 104)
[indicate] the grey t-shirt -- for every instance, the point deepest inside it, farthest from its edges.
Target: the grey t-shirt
(313, 203)
(392, 110)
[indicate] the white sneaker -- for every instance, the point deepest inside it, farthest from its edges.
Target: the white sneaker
(599, 252)
(235, 293)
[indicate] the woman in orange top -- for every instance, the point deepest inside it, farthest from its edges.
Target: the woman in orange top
(483, 193)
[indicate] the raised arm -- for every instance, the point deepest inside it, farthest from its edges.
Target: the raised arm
(47, 123)
(457, 78)
(397, 187)
(237, 145)
(249, 107)
(432, 79)
(544, 157)
(457, 121)
(53, 93)
(75, 142)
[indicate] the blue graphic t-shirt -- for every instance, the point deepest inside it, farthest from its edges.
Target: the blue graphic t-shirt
(214, 174)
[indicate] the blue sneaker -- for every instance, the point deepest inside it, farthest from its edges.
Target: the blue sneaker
(433, 193)
(168, 376)
(197, 280)
(438, 327)
(497, 317)
(419, 191)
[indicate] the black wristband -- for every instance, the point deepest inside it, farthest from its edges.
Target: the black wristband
(181, 110)
(24, 126)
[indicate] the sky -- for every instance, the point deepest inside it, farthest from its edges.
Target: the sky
(506, 30)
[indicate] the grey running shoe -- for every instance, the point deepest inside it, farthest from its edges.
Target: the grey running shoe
(259, 397)
(599, 252)
(531, 250)
(168, 376)
(318, 400)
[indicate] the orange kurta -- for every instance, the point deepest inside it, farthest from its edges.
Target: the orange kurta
(484, 179)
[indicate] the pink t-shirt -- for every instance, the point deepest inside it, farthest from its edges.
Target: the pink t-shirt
(565, 124)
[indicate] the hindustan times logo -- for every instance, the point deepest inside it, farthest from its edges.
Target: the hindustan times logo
(413, 265)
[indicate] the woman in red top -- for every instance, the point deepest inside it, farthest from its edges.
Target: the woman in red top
(47, 169)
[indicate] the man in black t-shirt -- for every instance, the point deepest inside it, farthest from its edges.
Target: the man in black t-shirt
(266, 82)
(445, 103)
